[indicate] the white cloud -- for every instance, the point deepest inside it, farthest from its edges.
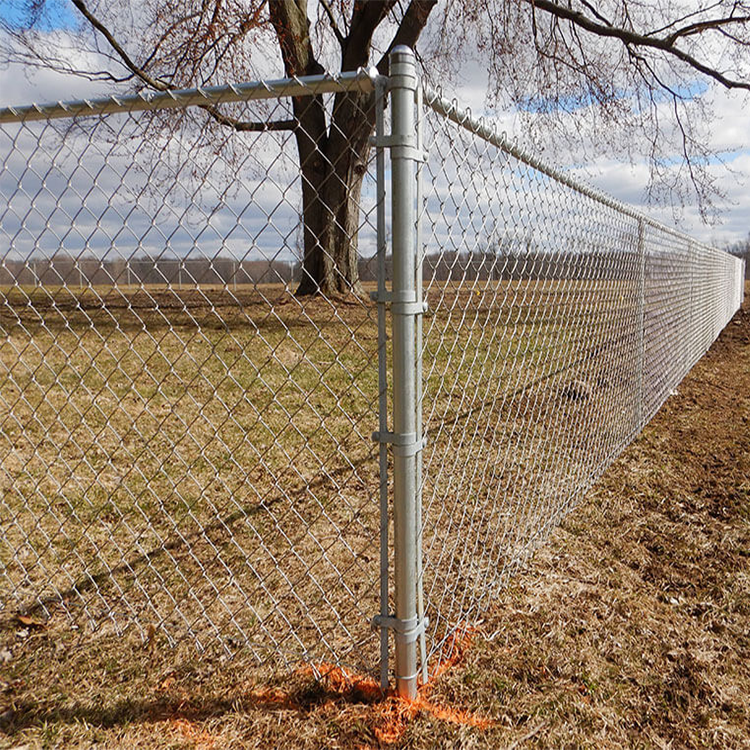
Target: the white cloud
(21, 87)
(625, 182)
(24, 84)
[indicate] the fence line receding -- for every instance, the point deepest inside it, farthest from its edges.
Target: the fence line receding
(188, 445)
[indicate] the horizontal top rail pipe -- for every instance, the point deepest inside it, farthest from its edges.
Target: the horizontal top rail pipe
(463, 117)
(359, 80)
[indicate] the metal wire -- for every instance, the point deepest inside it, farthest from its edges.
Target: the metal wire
(185, 444)
(560, 321)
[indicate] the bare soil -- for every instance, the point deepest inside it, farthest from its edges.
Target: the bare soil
(629, 627)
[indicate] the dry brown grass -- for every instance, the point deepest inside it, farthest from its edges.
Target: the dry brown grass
(629, 628)
(200, 461)
(164, 451)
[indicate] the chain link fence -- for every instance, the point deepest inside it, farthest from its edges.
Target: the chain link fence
(559, 322)
(186, 443)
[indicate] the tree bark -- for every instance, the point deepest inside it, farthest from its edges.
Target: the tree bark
(332, 190)
(333, 157)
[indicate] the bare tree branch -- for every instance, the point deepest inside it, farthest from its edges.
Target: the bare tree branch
(334, 25)
(699, 28)
(411, 26)
(596, 13)
(675, 21)
(99, 26)
(628, 37)
(139, 72)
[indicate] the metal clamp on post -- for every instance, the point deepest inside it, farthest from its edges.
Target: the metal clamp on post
(405, 631)
(404, 444)
(407, 146)
(401, 304)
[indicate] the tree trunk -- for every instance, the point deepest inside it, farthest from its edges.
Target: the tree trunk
(333, 160)
(311, 137)
(333, 169)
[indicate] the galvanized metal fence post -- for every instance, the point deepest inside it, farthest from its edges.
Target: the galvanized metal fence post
(404, 303)
(420, 393)
(380, 97)
(692, 260)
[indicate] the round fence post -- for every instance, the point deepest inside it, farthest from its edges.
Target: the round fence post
(403, 86)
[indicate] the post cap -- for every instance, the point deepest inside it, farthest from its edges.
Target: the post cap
(402, 65)
(402, 53)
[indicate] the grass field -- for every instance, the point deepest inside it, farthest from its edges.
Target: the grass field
(200, 461)
(163, 453)
(208, 389)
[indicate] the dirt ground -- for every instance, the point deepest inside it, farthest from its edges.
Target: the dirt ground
(630, 627)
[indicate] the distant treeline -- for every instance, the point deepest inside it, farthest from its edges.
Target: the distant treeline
(742, 250)
(447, 266)
(529, 265)
(62, 269)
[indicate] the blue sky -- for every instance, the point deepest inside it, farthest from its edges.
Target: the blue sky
(572, 104)
(58, 14)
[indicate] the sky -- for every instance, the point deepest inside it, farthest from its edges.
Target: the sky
(729, 138)
(624, 181)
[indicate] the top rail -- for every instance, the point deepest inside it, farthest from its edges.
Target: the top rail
(359, 80)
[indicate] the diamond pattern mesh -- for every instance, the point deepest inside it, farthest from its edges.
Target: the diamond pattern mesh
(184, 443)
(559, 323)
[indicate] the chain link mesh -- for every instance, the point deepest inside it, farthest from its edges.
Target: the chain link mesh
(559, 322)
(185, 444)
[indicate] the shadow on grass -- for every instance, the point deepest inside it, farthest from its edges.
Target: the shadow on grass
(88, 582)
(267, 311)
(306, 694)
